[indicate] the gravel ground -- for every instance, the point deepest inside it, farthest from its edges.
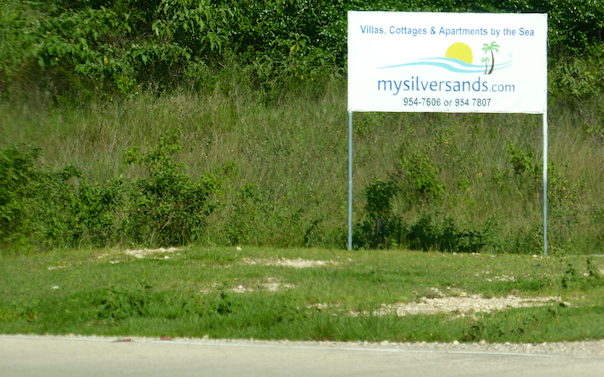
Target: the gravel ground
(577, 349)
(295, 263)
(464, 305)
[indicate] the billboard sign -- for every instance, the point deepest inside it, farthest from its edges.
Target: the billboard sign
(447, 62)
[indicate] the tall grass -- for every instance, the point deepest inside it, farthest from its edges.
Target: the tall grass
(290, 154)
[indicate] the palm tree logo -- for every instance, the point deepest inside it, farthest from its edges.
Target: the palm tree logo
(490, 47)
(485, 60)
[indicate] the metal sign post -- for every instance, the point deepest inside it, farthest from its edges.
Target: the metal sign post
(350, 180)
(545, 182)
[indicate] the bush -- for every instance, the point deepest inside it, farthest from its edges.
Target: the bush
(380, 228)
(166, 207)
(17, 176)
(41, 208)
(426, 234)
(44, 208)
(118, 45)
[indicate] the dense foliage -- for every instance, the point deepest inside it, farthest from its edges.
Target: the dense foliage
(234, 170)
(42, 208)
(103, 101)
(123, 46)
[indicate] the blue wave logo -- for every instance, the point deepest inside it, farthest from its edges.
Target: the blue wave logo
(451, 65)
(459, 58)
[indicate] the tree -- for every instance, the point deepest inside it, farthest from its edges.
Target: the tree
(485, 60)
(490, 47)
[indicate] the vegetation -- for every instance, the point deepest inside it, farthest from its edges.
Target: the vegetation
(230, 293)
(232, 170)
(121, 47)
(173, 122)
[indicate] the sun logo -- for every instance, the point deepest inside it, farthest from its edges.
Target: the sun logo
(463, 52)
(460, 51)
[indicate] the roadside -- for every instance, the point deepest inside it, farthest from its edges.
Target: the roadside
(304, 295)
(578, 349)
(52, 356)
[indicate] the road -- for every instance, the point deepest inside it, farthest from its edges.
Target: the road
(26, 356)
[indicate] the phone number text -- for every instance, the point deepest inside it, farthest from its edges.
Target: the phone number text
(458, 102)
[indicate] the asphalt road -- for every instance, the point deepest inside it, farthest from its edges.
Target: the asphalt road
(26, 356)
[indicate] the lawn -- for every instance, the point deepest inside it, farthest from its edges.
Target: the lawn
(301, 294)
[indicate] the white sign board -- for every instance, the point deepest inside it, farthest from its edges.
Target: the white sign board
(447, 62)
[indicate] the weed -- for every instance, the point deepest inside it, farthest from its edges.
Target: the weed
(118, 303)
(592, 269)
(573, 279)
(514, 324)
(167, 208)
(27, 309)
(225, 303)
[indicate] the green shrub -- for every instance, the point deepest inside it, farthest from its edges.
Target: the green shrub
(380, 228)
(18, 175)
(419, 179)
(427, 234)
(167, 207)
(67, 211)
(42, 208)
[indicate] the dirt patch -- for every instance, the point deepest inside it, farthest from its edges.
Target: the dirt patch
(145, 253)
(464, 305)
(272, 285)
(295, 263)
(57, 267)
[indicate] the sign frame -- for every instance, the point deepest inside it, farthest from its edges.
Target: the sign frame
(429, 83)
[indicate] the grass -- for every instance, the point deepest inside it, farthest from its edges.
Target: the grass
(191, 294)
(293, 155)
